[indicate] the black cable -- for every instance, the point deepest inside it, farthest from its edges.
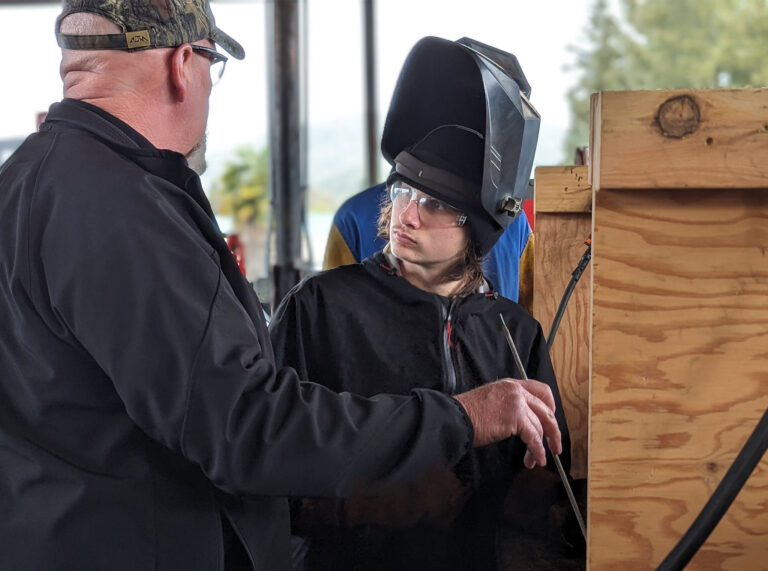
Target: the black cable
(575, 277)
(718, 504)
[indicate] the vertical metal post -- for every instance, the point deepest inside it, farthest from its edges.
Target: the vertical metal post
(285, 146)
(371, 130)
(307, 256)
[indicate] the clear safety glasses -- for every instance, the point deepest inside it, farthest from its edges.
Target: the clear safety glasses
(431, 211)
(218, 61)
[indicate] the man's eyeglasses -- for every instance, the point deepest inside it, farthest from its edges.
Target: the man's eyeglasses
(432, 212)
(218, 61)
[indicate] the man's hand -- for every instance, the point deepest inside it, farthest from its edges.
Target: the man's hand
(511, 407)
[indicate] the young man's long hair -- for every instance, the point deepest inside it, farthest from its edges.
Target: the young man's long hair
(468, 270)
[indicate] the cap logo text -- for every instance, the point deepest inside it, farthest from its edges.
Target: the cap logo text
(136, 40)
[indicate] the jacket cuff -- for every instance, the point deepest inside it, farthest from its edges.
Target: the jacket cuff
(460, 430)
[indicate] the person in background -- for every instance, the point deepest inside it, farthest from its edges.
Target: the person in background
(420, 314)
(144, 422)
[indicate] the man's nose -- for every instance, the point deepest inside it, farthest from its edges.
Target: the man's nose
(410, 214)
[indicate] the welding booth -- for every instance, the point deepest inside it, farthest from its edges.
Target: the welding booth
(661, 356)
(662, 350)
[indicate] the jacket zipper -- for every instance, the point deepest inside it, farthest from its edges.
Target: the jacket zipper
(447, 359)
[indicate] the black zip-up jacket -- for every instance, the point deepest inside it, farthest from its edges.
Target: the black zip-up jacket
(139, 397)
(362, 328)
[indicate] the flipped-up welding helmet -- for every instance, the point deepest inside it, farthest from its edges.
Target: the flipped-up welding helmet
(460, 127)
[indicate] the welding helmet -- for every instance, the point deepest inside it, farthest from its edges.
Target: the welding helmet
(460, 128)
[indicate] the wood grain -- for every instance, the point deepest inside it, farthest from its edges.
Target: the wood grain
(692, 139)
(562, 189)
(559, 245)
(679, 373)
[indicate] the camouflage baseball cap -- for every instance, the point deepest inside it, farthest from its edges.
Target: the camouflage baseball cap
(147, 24)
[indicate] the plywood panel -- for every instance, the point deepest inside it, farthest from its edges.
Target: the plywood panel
(685, 139)
(560, 233)
(562, 189)
(679, 373)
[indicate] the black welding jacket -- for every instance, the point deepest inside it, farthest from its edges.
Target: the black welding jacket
(362, 328)
(139, 397)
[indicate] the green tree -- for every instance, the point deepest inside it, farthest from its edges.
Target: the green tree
(663, 44)
(241, 190)
(601, 64)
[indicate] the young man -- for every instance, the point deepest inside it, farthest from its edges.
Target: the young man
(420, 315)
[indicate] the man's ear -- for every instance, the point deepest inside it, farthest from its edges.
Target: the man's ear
(181, 71)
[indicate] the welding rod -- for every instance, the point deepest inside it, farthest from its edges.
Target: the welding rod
(563, 477)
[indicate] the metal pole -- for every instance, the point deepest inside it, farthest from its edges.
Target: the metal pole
(371, 131)
(308, 262)
(285, 146)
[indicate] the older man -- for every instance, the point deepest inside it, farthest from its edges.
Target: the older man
(143, 423)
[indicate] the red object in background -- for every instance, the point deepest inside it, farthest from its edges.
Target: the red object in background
(528, 209)
(237, 249)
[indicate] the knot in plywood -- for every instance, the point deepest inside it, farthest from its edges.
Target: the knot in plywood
(678, 116)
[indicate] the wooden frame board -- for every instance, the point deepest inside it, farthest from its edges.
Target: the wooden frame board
(679, 369)
(563, 204)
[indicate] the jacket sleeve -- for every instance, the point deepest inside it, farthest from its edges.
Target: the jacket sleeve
(435, 498)
(287, 333)
(137, 290)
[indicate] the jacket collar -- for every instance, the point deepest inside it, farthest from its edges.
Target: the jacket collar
(72, 114)
(75, 114)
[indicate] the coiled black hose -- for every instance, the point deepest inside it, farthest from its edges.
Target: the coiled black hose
(718, 504)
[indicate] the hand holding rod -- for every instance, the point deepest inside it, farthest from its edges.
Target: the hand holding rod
(558, 464)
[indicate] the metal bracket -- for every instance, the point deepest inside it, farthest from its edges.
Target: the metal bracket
(511, 205)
